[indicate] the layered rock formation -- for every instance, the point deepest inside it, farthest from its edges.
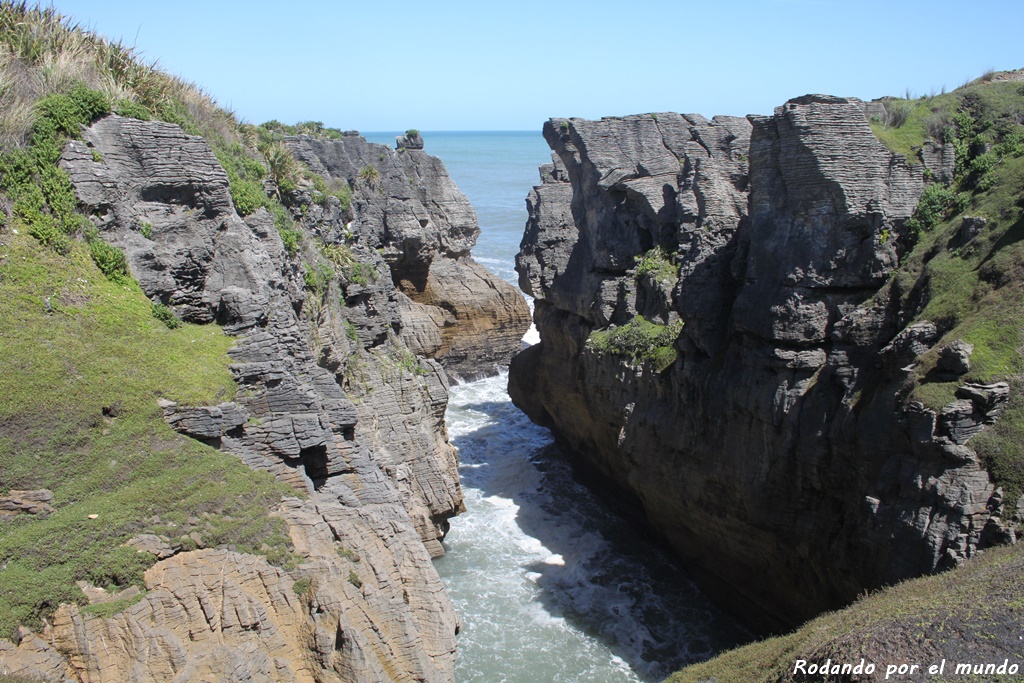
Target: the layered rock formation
(331, 401)
(778, 454)
(406, 206)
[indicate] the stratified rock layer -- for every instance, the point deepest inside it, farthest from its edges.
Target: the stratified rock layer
(331, 401)
(775, 454)
(406, 206)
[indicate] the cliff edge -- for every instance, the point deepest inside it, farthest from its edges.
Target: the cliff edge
(735, 336)
(405, 205)
(241, 386)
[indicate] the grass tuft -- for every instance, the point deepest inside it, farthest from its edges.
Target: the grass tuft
(345, 259)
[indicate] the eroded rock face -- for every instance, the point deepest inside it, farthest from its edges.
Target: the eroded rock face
(330, 401)
(208, 614)
(408, 208)
(200, 258)
(758, 455)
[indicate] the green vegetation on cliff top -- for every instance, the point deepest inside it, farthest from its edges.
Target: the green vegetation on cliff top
(991, 98)
(971, 285)
(85, 356)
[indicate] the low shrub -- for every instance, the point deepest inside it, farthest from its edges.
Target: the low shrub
(291, 239)
(245, 178)
(165, 315)
(110, 260)
(937, 203)
(639, 340)
(318, 278)
(133, 110)
(341, 190)
(314, 129)
(40, 191)
(71, 111)
(658, 264)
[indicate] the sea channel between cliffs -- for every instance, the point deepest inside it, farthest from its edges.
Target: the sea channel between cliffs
(241, 362)
(549, 582)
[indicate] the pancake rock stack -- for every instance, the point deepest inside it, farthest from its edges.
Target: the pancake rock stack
(777, 454)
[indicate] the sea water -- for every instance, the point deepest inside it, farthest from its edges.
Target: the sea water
(550, 584)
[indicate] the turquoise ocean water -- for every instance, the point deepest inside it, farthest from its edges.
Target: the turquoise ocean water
(550, 584)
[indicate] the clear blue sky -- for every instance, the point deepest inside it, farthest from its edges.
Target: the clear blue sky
(502, 65)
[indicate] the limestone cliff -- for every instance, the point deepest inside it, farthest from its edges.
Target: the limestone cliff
(778, 454)
(407, 207)
(331, 400)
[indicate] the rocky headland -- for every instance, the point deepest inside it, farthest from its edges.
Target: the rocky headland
(737, 336)
(407, 208)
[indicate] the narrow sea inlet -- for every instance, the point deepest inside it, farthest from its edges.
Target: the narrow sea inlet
(549, 583)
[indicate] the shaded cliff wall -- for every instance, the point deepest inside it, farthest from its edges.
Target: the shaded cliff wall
(778, 454)
(331, 401)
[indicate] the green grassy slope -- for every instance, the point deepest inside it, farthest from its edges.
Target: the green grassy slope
(84, 356)
(101, 350)
(972, 290)
(968, 615)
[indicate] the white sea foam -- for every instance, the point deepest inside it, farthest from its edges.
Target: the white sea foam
(537, 566)
(532, 336)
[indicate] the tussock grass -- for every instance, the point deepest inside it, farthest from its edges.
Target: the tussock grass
(45, 57)
(43, 53)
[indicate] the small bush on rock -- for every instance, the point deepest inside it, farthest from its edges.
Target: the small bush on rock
(133, 110)
(110, 260)
(937, 202)
(639, 340)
